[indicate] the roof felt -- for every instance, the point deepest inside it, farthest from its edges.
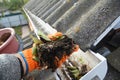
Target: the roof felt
(83, 20)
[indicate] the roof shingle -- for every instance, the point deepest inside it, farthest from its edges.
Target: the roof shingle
(83, 20)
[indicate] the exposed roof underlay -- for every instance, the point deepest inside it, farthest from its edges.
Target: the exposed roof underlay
(83, 20)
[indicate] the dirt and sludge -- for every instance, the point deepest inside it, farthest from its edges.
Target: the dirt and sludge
(54, 53)
(4, 37)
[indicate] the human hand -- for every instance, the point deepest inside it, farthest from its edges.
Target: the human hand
(48, 54)
(62, 45)
(28, 63)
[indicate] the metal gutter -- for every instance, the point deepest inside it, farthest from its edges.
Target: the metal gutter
(113, 25)
(31, 23)
(42, 25)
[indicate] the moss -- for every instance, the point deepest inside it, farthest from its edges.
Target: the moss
(18, 30)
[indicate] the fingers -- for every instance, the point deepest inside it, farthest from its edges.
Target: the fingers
(55, 36)
(58, 34)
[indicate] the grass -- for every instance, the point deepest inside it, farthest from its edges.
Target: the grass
(18, 30)
(13, 4)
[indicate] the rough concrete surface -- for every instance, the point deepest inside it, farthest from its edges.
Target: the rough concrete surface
(114, 59)
(112, 74)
